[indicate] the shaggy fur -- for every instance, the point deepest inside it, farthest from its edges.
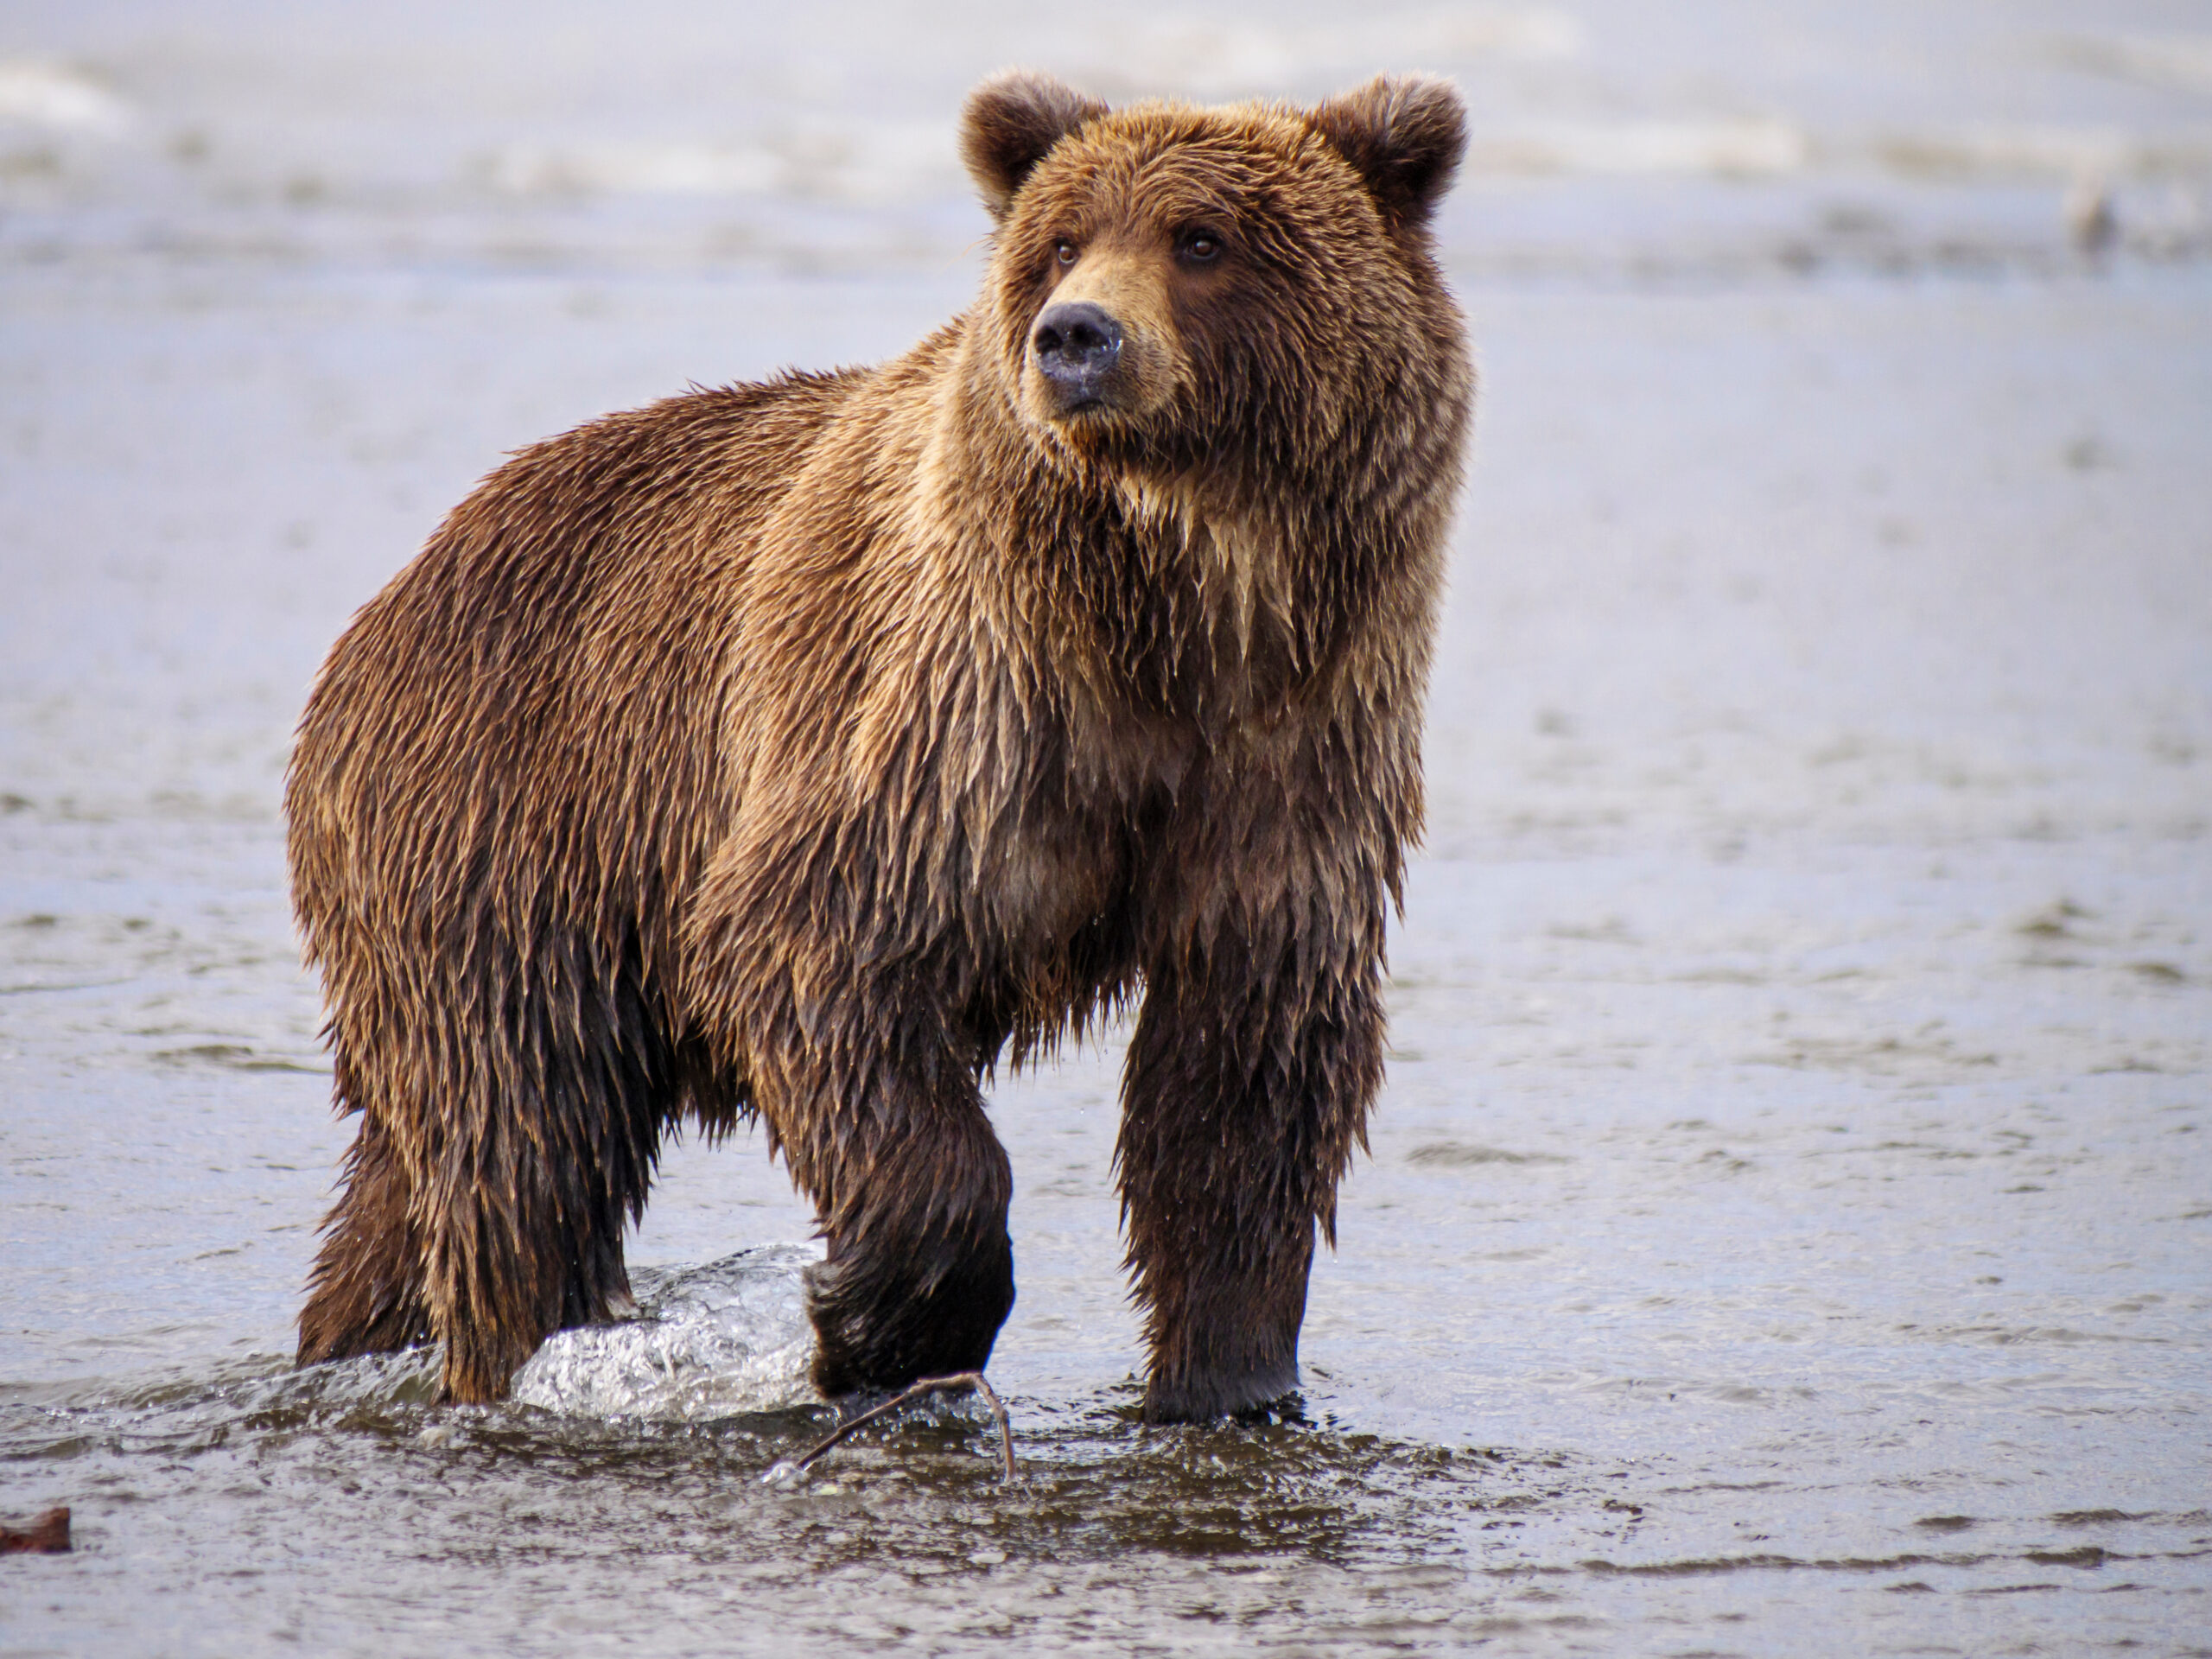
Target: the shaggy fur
(805, 749)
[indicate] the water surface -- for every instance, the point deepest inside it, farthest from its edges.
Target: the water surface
(1789, 1222)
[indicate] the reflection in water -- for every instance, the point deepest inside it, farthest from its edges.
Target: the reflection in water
(1277, 1530)
(1252, 1509)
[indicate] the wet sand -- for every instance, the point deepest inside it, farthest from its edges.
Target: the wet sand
(1786, 1229)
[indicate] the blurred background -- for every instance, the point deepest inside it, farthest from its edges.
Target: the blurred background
(1792, 1168)
(1610, 139)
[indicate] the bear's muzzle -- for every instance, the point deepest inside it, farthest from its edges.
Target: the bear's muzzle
(1078, 345)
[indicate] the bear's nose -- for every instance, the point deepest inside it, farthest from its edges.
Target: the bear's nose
(1076, 345)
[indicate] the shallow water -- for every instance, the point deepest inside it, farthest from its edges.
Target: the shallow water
(1790, 1221)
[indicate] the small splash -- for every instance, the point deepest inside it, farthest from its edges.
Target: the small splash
(708, 1342)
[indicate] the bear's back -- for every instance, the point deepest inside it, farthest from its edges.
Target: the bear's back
(512, 744)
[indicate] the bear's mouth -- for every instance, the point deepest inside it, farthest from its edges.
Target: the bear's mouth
(1061, 400)
(1088, 413)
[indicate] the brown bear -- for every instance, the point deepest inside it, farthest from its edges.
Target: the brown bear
(804, 750)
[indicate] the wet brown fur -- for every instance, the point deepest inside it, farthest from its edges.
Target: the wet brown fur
(804, 749)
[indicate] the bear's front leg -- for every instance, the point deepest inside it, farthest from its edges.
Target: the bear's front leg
(863, 1038)
(871, 1096)
(919, 1275)
(1248, 1085)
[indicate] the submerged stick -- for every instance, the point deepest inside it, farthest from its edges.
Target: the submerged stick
(959, 1382)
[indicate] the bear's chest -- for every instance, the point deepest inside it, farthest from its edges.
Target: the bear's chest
(1073, 853)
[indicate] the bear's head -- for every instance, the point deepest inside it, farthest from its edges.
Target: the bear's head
(1172, 287)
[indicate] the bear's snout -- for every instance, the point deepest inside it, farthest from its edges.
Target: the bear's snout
(1077, 345)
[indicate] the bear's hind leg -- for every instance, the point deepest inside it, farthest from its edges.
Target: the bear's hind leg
(525, 1217)
(365, 1296)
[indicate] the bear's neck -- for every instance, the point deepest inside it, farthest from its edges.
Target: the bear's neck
(1166, 587)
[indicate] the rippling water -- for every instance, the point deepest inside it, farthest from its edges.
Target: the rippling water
(1789, 1223)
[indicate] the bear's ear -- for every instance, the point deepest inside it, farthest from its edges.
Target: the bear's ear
(1011, 121)
(1404, 134)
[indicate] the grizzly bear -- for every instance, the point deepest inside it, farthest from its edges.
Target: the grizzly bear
(802, 751)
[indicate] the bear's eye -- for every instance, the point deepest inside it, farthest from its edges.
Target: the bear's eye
(1065, 251)
(1199, 246)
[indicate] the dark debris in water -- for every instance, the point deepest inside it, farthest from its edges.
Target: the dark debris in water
(47, 1535)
